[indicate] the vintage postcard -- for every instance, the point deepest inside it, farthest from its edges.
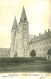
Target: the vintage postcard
(25, 39)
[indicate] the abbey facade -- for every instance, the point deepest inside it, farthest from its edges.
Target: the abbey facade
(22, 44)
(20, 37)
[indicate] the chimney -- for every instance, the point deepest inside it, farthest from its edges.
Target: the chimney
(34, 35)
(48, 30)
(39, 34)
(45, 32)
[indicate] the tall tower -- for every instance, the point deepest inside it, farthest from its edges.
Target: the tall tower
(20, 37)
(24, 34)
(13, 35)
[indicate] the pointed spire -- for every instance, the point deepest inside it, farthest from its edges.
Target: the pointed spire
(23, 16)
(14, 23)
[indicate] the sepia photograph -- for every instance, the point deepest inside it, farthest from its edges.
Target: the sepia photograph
(25, 37)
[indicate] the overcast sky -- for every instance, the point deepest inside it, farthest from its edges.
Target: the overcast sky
(38, 15)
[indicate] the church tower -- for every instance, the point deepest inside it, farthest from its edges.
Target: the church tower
(13, 35)
(20, 37)
(24, 34)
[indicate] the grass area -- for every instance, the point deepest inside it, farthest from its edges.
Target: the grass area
(24, 65)
(27, 68)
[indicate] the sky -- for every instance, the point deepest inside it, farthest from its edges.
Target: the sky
(38, 15)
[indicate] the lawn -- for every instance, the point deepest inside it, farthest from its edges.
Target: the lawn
(25, 65)
(38, 67)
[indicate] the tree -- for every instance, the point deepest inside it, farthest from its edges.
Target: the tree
(33, 53)
(49, 52)
(15, 55)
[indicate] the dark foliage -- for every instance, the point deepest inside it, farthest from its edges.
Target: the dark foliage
(18, 60)
(33, 53)
(15, 55)
(49, 52)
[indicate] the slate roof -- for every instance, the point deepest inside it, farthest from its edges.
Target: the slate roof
(40, 37)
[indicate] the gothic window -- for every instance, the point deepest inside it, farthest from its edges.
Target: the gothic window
(40, 43)
(25, 35)
(24, 19)
(24, 52)
(25, 27)
(43, 49)
(44, 43)
(35, 45)
(47, 41)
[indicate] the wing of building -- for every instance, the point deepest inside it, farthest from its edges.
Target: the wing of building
(41, 44)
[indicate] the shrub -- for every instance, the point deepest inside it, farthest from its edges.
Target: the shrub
(33, 53)
(49, 52)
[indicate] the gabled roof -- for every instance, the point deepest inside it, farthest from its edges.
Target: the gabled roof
(40, 37)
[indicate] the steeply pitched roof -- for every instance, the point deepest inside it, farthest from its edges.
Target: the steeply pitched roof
(40, 37)
(23, 16)
(14, 23)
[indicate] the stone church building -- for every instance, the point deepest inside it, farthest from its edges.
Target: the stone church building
(20, 37)
(21, 42)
